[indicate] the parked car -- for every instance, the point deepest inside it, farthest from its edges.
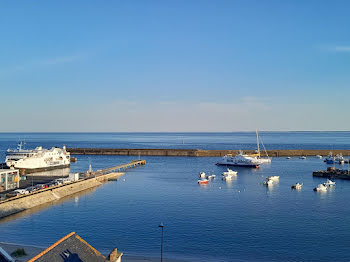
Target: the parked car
(31, 189)
(21, 191)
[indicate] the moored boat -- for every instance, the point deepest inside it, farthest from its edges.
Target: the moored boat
(297, 186)
(329, 183)
(38, 159)
(240, 160)
(203, 182)
(268, 182)
(273, 178)
(321, 188)
(201, 175)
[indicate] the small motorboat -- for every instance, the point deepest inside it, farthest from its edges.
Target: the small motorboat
(211, 177)
(203, 182)
(273, 178)
(320, 188)
(227, 178)
(297, 186)
(202, 175)
(268, 182)
(229, 172)
(302, 157)
(319, 156)
(288, 157)
(329, 183)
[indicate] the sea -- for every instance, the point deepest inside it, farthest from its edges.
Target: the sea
(241, 220)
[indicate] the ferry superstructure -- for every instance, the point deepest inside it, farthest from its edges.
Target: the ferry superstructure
(38, 159)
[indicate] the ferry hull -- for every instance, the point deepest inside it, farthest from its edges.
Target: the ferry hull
(24, 171)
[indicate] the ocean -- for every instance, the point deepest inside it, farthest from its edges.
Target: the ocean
(238, 221)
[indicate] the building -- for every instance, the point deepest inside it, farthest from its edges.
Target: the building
(72, 248)
(9, 179)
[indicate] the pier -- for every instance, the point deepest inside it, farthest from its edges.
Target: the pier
(200, 152)
(20, 203)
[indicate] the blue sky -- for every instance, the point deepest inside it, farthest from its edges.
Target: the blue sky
(174, 65)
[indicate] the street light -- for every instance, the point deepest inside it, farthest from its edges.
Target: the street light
(161, 245)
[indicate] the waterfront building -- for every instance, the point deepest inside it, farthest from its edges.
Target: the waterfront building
(73, 248)
(9, 179)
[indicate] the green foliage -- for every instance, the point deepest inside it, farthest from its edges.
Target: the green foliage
(19, 252)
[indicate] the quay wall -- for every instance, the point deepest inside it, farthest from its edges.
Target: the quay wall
(198, 152)
(15, 205)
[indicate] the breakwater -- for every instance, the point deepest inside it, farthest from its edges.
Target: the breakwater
(24, 202)
(198, 152)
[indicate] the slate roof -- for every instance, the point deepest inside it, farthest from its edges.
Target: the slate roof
(71, 248)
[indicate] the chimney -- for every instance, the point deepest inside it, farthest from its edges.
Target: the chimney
(113, 256)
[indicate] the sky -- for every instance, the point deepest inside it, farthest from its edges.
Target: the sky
(174, 66)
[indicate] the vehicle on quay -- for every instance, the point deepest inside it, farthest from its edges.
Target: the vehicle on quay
(38, 159)
(241, 159)
(21, 191)
(297, 186)
(62, 180)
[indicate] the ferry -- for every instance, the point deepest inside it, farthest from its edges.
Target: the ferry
(38, 159)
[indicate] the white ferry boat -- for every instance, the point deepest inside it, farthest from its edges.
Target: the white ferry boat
(38, 159)
(240, 160)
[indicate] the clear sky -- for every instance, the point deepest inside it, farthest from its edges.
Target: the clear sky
(174, 65)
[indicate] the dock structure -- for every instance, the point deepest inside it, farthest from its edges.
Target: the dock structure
(120, 168)
(200, 152)
(93, 179)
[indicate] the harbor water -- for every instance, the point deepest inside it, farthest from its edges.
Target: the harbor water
(240, 220)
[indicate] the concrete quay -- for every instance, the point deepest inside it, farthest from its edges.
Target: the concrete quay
(199, 152)
(24, 202)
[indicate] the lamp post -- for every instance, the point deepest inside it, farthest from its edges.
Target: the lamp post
(161, 245)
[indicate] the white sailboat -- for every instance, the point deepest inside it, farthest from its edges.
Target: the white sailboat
(263, 160)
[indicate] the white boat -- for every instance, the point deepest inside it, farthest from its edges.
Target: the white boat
(288, 157)
(211, 177)
(229, 174)
(297, 186)
(329, 183)
(268, 182)
(201, 175)
(38, 159)
(320, 188)
(240, 160)
(319, 156)
(263, 160)
(302, 157)
(273, 178)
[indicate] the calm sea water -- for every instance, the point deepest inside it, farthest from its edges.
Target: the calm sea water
(238, 221)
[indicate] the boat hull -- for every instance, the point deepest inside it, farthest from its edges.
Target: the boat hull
(24, 171)
(238, 164)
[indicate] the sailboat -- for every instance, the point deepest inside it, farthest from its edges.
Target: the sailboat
(263, 160)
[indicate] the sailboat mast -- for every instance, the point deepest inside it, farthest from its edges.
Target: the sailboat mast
(257, 141)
